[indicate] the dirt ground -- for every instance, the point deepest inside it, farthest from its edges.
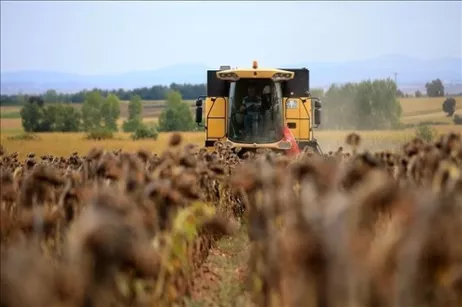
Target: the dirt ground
(221, 281)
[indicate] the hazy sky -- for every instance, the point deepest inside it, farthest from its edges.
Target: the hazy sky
(112, 37)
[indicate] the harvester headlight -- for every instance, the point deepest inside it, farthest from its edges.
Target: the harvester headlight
(285, 145)
(229, 76)
(281, 76)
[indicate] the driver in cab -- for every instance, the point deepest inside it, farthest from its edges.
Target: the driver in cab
(251, 106)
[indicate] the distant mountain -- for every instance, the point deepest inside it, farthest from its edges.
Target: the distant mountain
(412, 74)
(409, 70)
(40, 81)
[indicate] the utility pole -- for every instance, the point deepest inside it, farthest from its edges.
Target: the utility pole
(396, 79)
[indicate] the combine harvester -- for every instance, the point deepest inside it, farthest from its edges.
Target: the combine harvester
(259, 108)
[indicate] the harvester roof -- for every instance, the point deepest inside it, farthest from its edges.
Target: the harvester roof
(255, 72)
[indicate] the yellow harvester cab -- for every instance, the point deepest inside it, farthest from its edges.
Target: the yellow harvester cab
(283, 99)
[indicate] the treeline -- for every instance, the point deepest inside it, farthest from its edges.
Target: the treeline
(364, 105)
(372, 104)
(99, 115)
(156, 92)
(38, 117)
(435, 88)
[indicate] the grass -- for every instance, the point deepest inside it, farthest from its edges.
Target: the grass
(10, 114)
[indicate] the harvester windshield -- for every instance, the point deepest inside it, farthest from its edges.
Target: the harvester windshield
(255, 111)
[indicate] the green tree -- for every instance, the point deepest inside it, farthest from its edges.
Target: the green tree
(339, 107)
(52, 117)
(134, 120)
(31, 117)
(71, 119)
(135, 107)
(34, 99)
(449, 106)
(51, 96)
(144, 131)
(155, 92)
(177, 115)
(418, 93)
(386, 109)
(435, 88)
(91, 111)
(110, 112)
(63, 118)
(37, 117)
(426, 133)
(365, 105)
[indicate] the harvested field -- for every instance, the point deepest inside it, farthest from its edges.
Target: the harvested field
(9, 109)
(64, 144)
(435, 117)
(378, 139)
(425, 105)
(151, 108)
(185, 227)
(10, 125)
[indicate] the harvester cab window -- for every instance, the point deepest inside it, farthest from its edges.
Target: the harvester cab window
(255, 105)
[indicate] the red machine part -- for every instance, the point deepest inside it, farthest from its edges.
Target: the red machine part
(288, 136)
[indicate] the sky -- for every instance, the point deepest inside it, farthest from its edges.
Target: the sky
(89, 37)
